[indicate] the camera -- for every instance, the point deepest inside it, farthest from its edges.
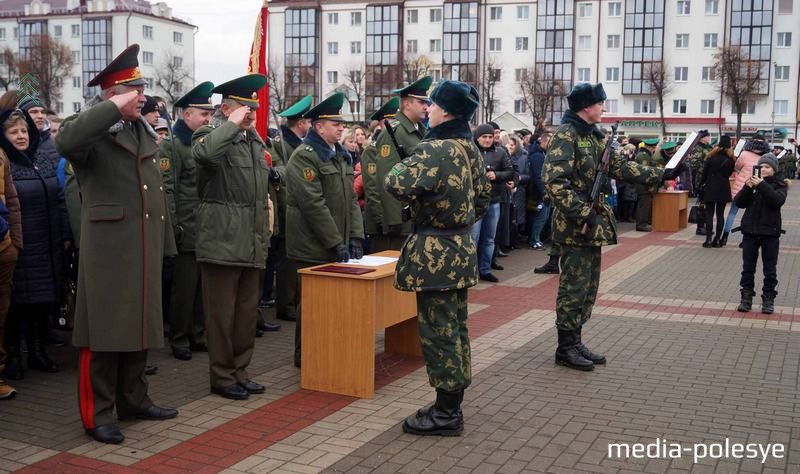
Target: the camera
(489, 168)
(757, 170)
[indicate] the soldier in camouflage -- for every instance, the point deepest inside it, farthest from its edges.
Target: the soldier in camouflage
(445, 184)
(697, 162)
(644, 193)
(570, 168)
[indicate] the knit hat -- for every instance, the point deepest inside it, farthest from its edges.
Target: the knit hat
(29, 102)
(703, 133)
(150, 105)
(585, 95)
(161, 124)
(724, 141)
(494, 125)
(483, 129)
(457, 98)
(769, 159)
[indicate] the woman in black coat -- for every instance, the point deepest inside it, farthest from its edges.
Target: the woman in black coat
(44, 233)
(716, 188)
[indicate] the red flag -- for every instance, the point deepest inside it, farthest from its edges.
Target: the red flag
(258, 64)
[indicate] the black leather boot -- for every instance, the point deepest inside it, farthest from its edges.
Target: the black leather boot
(14, 369)
(568, 354)
(37, 341)
(444, 418)
(586, 353)
(747, 301)
(707, 243)
(550, 267)
(767, 304)
(715, 243)
(723, 241)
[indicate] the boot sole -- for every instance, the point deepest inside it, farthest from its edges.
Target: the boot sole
(584, 368)
(447, 433)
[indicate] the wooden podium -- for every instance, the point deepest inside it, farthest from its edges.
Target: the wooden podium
(340, 315)
(670, 211)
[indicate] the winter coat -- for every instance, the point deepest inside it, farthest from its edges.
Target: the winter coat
(715, 175)
(744, 169)
(358, 186)
(8, 196)
(536, 161)
(520, 160)
(496, 158)
(762, 205)
(47, 148)
(179, 172)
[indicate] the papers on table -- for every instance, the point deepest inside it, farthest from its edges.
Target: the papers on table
(371, 261)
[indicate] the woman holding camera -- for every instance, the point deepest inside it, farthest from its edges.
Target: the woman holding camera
(716, 192)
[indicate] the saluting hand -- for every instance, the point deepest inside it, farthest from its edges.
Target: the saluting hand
(238, 115)
(122, 101)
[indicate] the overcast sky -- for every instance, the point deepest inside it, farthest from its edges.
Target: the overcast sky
(222, 43)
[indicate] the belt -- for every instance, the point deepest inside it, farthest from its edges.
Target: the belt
(433, 231)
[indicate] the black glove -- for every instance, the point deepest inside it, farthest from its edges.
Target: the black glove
(675, 172)
(591, 219)
(342, 255)
(356, 249)
(274, 176)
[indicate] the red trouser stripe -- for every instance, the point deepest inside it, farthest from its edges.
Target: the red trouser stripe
(85, 392)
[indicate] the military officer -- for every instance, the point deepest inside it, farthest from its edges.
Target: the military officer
(291, 137)
(439, 260)
(408, 130)
(644, 193)
(569, 172)
(698, 156)
(125, 233)
(232, 232)
(178, 170)
(369, 166)
(323, 219)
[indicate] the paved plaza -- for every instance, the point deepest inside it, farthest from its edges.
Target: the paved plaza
(687, 375)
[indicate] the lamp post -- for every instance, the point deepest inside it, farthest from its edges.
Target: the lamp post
(774, 84)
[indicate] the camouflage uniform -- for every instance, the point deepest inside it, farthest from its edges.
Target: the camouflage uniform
(569, 172)
(445, 183)
(644, 192)
(698, 160)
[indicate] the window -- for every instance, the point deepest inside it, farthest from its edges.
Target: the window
(383, 50)
(781, 107)
(682, 40)
(784, 40)
(179, 87)
(496, 13)
(781, 73)
(584, 74)
(355, 47)
(355, 18)
(333, 77)
(16, 35)
(712, 7)
(411, 46)
(436, 75)
(177, 62)
(555, 48)
(3, 33)
(614, 9)
(684, 7)
(584, 42)
(748, 107)
(679, 106)
(435, 46)
(76, 82)
(523, 12)
(333, 18)
(495, 44)
(612, 74)
(436, 15)
(177, 37)
(57, 31)
(584, 10)
(681, 74)
(302, 72)
(644, 106)
(460, 41)
(707, 106)
(710, 40)
(76, 107)
(60, 108)
(785, 7)
(751, 29)
(709, 73)
(333, 48)
(150, 82)
(75, 30)
(412, 16)
(96, 51)
(612, 42)
(612, 106)
(520, 107)
(522, 43)
(147, 32)
(520, 74)
(147, 57)
(59, 82)
(76, 56)
(495, 74)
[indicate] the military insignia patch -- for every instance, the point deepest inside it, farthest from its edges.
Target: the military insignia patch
(584, 143)
(398, 168)
(385, 150)
(164, 164)
(372, 168)
(308, 174)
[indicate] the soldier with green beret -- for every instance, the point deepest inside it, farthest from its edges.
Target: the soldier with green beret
(644, 193)
(323, 218)
(444, 182)
(571, 165)
(233, 181)
(125, 234)
(393, 225)
(369, 169)
(179, 171)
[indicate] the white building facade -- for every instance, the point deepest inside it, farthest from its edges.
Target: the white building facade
(609, 41)
(98, 32)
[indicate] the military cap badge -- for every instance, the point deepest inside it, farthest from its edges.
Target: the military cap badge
(308, 174)
(385, 150)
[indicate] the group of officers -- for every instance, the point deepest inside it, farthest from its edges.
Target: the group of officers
(210, 195)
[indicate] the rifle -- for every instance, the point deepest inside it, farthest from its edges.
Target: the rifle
(400, 150)
(601, 178)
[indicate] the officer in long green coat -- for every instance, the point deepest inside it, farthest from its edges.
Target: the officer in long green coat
(179, 171)
(571, 165)
(125, 233)
(393, 223)
(369, 167)
(291, 137)
(232, 232)
(445, 184)
(323, 219)
(644, 193)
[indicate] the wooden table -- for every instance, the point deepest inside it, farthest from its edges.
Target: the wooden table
(340, 316)
(670, 211)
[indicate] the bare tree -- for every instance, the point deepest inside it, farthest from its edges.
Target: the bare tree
(539, 91)
(49, 61)
(488, 83)
(416, 66)
(656, 76)
(170, 76)
(739, 78)
(8, 68)
(354, 84)
(277, 91)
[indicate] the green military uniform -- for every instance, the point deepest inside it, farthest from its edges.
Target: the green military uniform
(385, 210)
(697, 158)
(644, 193)
(125, 234)
(369, 170)
(232, 236)
(179, 171)
(321, 208)
(72, 196)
